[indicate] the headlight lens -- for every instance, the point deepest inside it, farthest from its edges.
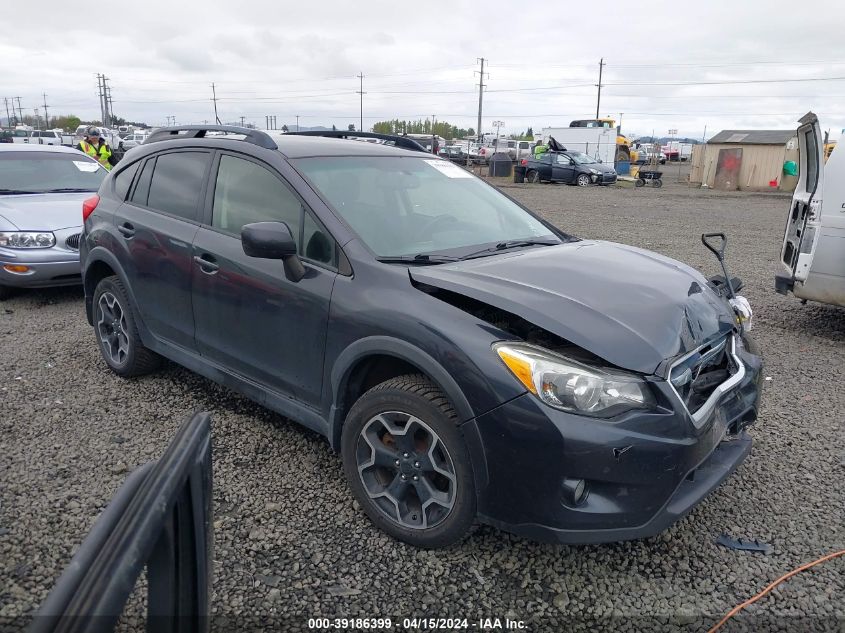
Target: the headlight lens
(572, 386)
(593, 171)
(27, 239)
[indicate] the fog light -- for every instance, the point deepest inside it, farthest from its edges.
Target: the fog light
(575, 490)
(16, 268)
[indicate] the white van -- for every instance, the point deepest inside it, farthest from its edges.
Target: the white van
(813, 253)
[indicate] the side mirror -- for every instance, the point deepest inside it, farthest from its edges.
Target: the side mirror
(273, 240)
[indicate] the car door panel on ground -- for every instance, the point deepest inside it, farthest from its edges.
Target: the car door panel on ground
(157, 224)
(249, 317)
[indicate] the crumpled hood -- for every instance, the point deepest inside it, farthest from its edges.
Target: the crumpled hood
(42, 212)
(632, 307)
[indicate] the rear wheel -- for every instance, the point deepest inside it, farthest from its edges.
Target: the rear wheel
(657, 183)
(583, 180)
(407, 464)
(533, 176)
(117, 332)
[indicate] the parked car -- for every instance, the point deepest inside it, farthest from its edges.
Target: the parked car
(572, 168)
(42, 188)
(454, 153)
(517, 150)
(646, 155)
(134, 139)
(469, 360)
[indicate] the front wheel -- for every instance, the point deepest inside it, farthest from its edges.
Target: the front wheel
(117, 332)
(640, 182)
(657, 183)
(407, 463)
(583, 180)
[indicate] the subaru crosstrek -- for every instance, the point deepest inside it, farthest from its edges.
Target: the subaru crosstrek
(470, 361)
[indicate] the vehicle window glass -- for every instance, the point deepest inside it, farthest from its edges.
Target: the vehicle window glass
(562, 159)
(142, 189)
(317, 244)
(246, 192)
(177, 183)
(123, 180)
(408, 205)
(812, 160)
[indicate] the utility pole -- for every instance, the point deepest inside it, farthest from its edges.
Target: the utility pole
(242, 120)
(598, 100)
(20, 109)
(480, 97)
(8, 118)
(214, 98)
(297, 123)
(361, 93)
(46, 116)
(109, 106)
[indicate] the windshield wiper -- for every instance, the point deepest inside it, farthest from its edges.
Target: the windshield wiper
(10, 192)
(501, 246)
(70, 190)
(420, 259)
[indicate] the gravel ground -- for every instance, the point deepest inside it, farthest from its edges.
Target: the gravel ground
(290, 543)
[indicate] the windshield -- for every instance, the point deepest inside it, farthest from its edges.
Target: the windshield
(40, 172)
(403, 206)
(581, 159)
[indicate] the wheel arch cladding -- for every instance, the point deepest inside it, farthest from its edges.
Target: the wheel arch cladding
(378, 358)
(99, 264)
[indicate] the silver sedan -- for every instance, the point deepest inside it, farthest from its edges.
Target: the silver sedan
(42, 190)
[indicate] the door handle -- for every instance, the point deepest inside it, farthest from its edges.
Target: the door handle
(126, 229)
(206, 265)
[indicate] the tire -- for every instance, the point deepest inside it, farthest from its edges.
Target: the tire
(639, 182)
(533, 176)
(622, 155)
(116, 331)
(381, 464)
(657, 183)
(583, 180)
(6, 292)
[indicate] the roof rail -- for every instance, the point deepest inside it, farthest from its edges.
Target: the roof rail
(399, 141)
(256, 137)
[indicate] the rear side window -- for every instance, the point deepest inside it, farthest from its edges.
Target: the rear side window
(177, 183)
(123, 180)
(142, 189)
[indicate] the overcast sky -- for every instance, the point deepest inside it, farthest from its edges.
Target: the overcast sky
(669, 64)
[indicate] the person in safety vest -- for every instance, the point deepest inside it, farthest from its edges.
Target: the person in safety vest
(94, 145)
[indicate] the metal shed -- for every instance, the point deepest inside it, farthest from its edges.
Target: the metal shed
(750, 160)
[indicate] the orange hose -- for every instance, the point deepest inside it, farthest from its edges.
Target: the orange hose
(754, 599)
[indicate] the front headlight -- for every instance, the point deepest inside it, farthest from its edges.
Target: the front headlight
(594, 171)
(568, 385)
(27, 239)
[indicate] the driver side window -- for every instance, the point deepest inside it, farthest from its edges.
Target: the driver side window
(563, 159)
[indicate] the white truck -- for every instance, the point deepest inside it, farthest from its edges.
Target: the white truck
(597, 142)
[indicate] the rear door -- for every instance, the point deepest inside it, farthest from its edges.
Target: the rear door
(156, 226)
(249, 317)
(804, 215)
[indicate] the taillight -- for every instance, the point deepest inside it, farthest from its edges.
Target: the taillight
(89, 205)
(523, 162)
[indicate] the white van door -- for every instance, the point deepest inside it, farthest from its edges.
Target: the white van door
(802, 225)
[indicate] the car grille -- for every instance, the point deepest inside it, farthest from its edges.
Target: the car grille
(698, 375)
(73, 241)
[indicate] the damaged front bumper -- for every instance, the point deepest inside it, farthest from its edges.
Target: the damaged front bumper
(561, 477)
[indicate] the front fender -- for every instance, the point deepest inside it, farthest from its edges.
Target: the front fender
(381, 345)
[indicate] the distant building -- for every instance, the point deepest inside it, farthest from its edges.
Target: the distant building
(749, 160)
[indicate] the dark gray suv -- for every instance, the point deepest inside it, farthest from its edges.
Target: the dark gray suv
(469, 360)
